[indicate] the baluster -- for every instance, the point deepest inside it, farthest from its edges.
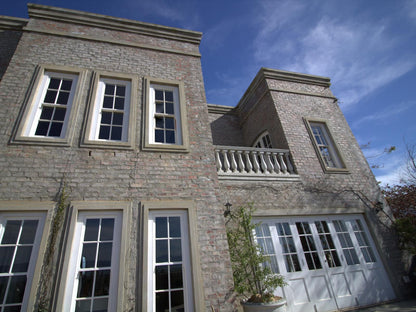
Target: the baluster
(256, 166)
(232, 160)
(226, 162)
(240, 162)
(276, 164)
(248, 166)
(269, 162)
(263, 163)
(289, 163)
(218, 160)
(282, 163)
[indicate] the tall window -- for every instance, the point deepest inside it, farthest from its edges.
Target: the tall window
(264, 239)
(111, 111)
(324, 145)
(94, 264)
(166, 119)
(19, 244)
(170, 284)
(53, 103)
(263, 141)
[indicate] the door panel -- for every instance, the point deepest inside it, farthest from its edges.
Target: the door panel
(329, 263)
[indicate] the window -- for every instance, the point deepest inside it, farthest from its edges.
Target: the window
(166, 117)
(171, 269)
(325, 147)
(20, 238)
(111, 118)
(93, 272)
(264, 239)
(51, 108)
(263, 141)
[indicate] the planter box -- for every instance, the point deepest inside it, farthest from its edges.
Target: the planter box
(278, 306)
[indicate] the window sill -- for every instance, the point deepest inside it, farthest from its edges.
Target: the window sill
(52, 141)
(151, 147)
(107, 144)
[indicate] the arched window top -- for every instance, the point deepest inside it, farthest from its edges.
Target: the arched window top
(263, 141)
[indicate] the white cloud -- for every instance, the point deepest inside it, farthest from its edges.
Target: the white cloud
(359, 54)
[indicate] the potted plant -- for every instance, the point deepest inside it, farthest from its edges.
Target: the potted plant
(253, 278)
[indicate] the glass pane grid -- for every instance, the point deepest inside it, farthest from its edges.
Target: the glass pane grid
(346, 242)
(323, 144)
(15, 252)
(165, 122)
(288, 247)
(94, 270)
(54, 108)
(265, 241)
(168, 270)
(327, 243)
(362, 239)
(308, 245)
(112, 113)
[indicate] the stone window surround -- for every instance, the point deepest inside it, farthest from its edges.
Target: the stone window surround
(31, 100)
(30, 208)
(196, 272)
(96, 207)
(342, 168)
(148, 145)
(92, 105)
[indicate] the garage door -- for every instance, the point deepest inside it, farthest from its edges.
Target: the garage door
(328, 262)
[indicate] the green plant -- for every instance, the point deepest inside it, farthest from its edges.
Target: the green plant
(406, 229)
(253, 278)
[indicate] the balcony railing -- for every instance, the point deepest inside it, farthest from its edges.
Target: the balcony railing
(235, 162)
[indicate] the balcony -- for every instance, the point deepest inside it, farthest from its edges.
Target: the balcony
(250, 163)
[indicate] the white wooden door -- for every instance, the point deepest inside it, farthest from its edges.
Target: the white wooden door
(329, 263)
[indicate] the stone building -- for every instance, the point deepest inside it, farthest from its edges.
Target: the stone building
(115, 172)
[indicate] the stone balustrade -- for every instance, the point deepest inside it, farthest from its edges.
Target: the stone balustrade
(236, 162)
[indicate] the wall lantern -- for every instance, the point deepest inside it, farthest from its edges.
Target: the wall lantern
(227, 211)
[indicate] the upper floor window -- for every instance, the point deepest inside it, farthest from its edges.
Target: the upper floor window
(50, 108)
(111, 117)
(166, 117)
(263, 141)
(325, 146)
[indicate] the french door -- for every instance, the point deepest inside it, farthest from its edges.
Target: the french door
(329, 262)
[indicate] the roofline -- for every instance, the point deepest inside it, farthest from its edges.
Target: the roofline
(113, 23)
(12, 23)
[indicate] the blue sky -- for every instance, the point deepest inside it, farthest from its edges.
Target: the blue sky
(367, 48)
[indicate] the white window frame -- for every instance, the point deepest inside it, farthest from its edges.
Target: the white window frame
(35, 253)
(338, 165)
(186, 208)
(263, 141)
(94, 209)
(186, 265)
(181, 143)
(28, 123)
(91, 136)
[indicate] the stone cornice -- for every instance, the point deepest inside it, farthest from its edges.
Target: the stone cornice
(268, 73)
(113, 23)
(219, 109)
(12, 23)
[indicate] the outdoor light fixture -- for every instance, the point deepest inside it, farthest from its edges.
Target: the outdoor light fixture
(227, 211)
(378, 207)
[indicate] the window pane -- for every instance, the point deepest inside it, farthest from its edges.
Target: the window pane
(116, 133)
(83, 306)
(175, 250)
(66, 85)
(169, 108)
(109, 89)
(107, 229)
(159, 108)
(176, 276)
(108, 102)
(104, 255)
(59, 114)
(28, 232)
(42, 128)
(169, 96)
(106, 118)
(159, 95)
(117, 119)
(86, 281)
(46, 113)
(54, 83)
(169, 123)
(21, 260)
(91, 229)
(159, 136)
(55, 130)
(50, 96)
(6, 258)
(160, 123)
(3, 286)
(161, 227)
(104, 133)
(174, 227)
(16, 289)
(177, 300)
(121, 91)
(162, 280)
(102, 283)
(13, 308)
(100, 305)
(170, 137)
(11, 232)
(89, 251)
(161, 251)
(119, 103)
(162, 302)
(63, 98)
